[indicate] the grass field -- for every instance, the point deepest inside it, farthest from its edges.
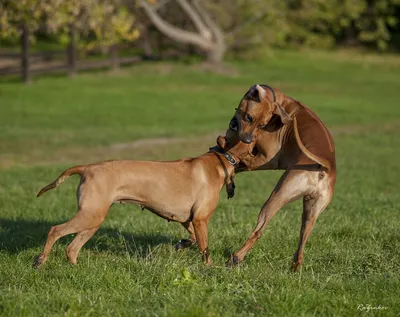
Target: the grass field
(130, 268)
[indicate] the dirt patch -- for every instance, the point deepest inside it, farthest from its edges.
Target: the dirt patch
(146, 142)
(220, 69)
(152, 149)
(143, 149)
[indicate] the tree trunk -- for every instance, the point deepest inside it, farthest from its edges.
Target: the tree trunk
(114, 58)
(216, 55)
(351, 38)
(147, 47)
(25, 66)
(71, 52)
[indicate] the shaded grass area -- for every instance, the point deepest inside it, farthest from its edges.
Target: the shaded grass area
(130, 267)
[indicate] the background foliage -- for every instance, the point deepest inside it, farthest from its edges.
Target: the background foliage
(250, 26)
(97, 22)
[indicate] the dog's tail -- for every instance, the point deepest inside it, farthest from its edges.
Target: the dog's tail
(321, 161)
(71, 171)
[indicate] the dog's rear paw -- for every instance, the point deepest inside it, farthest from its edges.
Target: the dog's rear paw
(233, 261)
(37, 262)
(183, 244)
(296, 266)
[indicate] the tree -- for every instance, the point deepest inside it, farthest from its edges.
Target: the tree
(97, 22)
(16, 14)
(325, 23)
(84, 23)
(18, 20)
(209, 37)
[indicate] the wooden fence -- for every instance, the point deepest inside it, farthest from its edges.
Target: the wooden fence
(28, 63)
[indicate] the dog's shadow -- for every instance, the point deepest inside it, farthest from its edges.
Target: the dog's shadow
(20, 235)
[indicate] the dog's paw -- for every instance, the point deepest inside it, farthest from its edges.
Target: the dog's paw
(296, 266)
(183, 244)
(233, 261)
(37, 262)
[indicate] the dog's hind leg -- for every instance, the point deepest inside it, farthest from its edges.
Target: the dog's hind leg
(84, 220)
(185, 243)
(312, 208)
(292, 186)
(79, 241)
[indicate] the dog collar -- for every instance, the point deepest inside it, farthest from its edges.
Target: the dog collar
(225, 154)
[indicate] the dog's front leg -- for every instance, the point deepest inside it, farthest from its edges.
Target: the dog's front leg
(201, 232)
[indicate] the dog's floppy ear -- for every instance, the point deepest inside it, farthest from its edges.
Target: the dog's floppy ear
(285, 118)
(262, 94)
(221, 141)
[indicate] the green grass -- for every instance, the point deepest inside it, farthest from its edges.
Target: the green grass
(130, 267)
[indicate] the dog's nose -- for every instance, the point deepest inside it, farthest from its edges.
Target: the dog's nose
(248, 139)
(234, 124)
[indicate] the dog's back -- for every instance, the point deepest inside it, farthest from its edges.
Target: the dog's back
(315, 137)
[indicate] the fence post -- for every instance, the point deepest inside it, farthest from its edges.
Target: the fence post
(114, 57)
(71, 51)
(25, 67)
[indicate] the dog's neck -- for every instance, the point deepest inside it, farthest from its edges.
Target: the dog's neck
(224, 165)
(228, 161)
(228, 156)
(226, 170)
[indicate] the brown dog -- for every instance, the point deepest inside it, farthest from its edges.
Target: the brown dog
(185, 191)
(290, 137)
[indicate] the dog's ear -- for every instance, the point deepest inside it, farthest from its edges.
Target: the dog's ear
(221, 141)
(256, 93)
(262, 94)
(285, 118)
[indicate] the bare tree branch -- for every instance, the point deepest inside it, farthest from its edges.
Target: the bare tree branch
(219, 36)
(199, 24)
(211, 24)
(210, 37)
(161, 4)
(172, 31)
(247, 23)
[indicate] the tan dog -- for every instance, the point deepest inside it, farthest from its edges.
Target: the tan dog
(185, 191)
(290, 137)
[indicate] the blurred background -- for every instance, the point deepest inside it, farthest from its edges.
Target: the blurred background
(83, 81)
(44, 36)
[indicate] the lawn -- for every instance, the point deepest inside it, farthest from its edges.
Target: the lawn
(130, 268)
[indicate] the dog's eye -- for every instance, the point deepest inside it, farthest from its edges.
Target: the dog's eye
(248, 118)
